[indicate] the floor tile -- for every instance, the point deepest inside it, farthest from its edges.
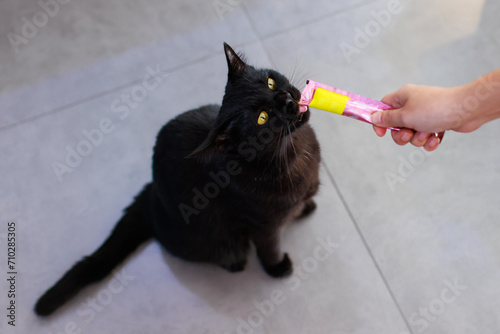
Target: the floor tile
(428, 219)
(375, 66)
(271, 17)
(66, 62)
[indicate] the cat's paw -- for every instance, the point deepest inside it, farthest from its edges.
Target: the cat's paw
(281, 269)
(309, 207)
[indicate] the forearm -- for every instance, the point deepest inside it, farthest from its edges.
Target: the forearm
(480, 101)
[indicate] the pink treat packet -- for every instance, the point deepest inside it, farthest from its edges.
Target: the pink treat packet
(320, 96)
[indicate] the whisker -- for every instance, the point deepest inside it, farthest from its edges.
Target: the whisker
(291, 139)
(294, 73)
(275, 153)
(300, 75)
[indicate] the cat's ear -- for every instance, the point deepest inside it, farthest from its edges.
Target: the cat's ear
(235, 62)
(218, 140)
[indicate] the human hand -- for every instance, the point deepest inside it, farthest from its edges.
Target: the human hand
(420, 111)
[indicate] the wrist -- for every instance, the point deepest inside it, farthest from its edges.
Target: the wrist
(468, 107)
(480, 102)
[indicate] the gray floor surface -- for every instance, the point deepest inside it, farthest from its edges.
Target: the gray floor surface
(417, 255)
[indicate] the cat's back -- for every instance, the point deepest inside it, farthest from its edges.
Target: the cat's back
(183, 134)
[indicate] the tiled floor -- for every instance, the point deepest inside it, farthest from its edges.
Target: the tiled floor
(417, 256)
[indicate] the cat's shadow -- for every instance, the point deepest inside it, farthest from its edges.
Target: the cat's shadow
(217, 286)
(224, 290)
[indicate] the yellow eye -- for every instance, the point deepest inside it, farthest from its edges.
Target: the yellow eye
(263, 117)
(271, 83)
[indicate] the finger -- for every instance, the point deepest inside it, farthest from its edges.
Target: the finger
(398, 99)
(402, 137)
(392, 99)
(388, 118)
(432, 143)
(379, 131)
(420, 138)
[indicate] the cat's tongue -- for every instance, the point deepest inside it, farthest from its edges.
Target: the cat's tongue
(306, 96)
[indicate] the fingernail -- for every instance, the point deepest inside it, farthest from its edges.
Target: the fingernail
(421, 136)
(434, 141)
(406, 136)
(377, 117)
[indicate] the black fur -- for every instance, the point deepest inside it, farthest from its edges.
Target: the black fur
(220, 181)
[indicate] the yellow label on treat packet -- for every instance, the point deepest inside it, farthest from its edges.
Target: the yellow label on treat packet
(330, 101)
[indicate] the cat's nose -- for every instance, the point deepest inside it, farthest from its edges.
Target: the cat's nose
(286, 101)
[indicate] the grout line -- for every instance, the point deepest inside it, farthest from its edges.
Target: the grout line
(67, 106)
(252, 25)
(256, 33)
(103, 93)
(318, 19)
(261, 39)
(363, 239)
(493, 40)
(179, 67)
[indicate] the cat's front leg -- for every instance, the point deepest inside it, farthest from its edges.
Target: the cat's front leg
(304, 209)
(275, 264)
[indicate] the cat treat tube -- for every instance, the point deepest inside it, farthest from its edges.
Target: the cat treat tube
(320, 96)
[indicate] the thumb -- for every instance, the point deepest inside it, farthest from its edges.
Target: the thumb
(388, 118)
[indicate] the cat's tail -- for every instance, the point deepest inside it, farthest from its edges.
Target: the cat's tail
(131, 230)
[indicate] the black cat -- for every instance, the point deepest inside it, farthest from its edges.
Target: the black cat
(223, 176)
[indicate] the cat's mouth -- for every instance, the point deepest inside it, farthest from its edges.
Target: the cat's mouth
(301, 118)
(292, 111)
(296, 117)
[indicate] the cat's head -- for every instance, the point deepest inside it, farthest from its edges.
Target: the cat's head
(258, 103)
